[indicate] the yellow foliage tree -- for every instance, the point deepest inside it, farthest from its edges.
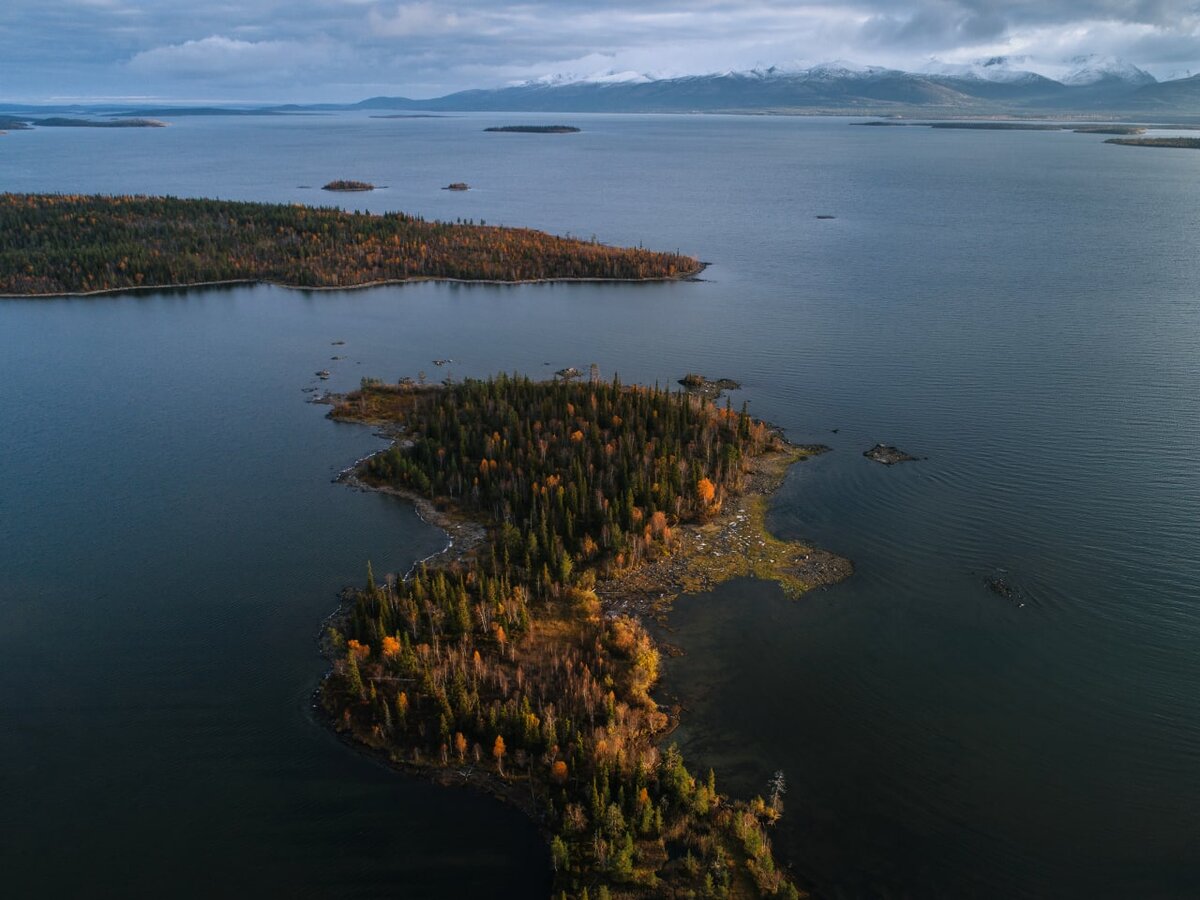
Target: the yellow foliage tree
(498, 751)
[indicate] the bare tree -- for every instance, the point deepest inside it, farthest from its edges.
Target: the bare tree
(778, 787)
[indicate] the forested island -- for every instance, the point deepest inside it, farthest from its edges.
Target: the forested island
(53, 244)
(1110, 129)
(534, 129)
(1179, 143)
(998, 126)
(11, 123)
(517, 663)
(343, 184)
(1104, 128)
(62, 122)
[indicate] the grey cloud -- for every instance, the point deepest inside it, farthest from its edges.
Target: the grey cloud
(934, 27)
(321, 48)
(223, 58)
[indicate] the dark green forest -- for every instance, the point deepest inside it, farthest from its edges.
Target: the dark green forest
(55, 244)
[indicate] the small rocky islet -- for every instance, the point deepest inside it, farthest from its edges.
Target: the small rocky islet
(708, 388)
(888, 455)
(347, 185)
(534, 129)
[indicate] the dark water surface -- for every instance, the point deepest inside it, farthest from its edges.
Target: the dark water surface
(1019, 307)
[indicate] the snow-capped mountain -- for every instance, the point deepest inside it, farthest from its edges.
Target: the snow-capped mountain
(840, 69)
(1092, 69)
(989, 86)
(1079, 71)
(997, 69)
(609, 77)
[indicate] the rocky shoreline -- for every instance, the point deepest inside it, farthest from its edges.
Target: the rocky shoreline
(708, 388)
(463, 534)
(734, 544)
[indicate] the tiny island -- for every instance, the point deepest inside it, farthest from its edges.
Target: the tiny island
(710, 388)
(57, 244)
(342, 184)
(888, 455)
(534, 129)
(517, 661)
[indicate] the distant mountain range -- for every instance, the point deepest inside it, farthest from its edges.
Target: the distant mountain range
(1091, 86)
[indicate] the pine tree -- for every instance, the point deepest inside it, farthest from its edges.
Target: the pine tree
(354, 680)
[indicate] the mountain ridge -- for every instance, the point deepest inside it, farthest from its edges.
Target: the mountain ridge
(1089, 85)
(1094, 86)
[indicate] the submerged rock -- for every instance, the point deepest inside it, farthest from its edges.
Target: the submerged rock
(999, 585)
(888, 455)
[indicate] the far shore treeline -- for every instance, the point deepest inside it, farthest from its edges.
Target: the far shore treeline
(70, 244)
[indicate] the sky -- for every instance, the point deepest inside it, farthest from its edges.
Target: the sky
(346, 50)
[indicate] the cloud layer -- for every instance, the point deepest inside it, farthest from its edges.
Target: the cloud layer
(348, 49)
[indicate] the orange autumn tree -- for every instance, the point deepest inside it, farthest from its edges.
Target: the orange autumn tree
(706, 491)
(498, 752)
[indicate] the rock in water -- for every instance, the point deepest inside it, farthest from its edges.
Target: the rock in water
(888, 455)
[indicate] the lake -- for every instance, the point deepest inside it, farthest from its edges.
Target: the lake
(1017, 308)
